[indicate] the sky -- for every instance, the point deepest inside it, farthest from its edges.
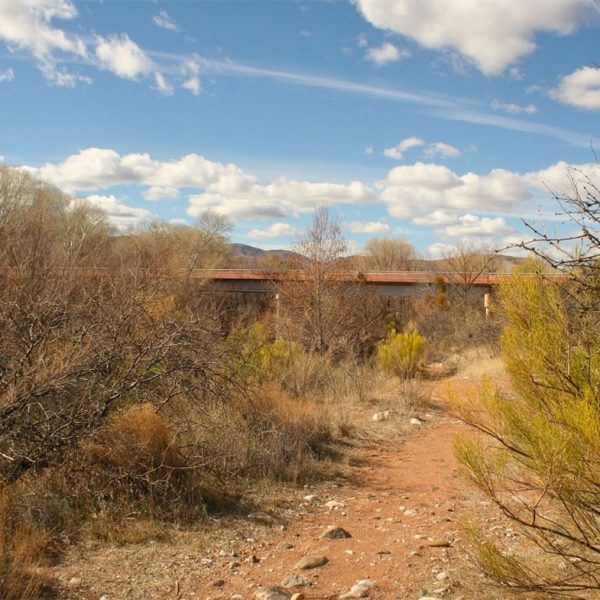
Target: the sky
(441, 122)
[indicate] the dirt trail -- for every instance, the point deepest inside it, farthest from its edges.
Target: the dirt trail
(401, 507)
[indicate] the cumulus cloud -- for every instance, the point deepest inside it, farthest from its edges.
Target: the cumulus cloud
(275, 230)
(581, 89)
(419, 189)
(7, 75)
(123, 57)
(282, 197)
(442, 149)
(385, 54)
(159, 192)
(32, 26)
(492, 34)
(475, 226)
(120, 215)
(514, 109)
(397, 152)
(431, 150)
(367, 227)
(163, 20)
(224, 187)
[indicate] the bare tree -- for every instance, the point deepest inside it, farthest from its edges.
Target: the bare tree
(386, 254)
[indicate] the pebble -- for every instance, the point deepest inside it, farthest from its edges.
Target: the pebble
(439, 544)
(298, 596)
(294, 581)
(381, 416)
(415, 422)
(360, 589)
(74, 582)
(442, 576)
(272, 593)
(332, 504)
(311, 562)
(335, 533)
(311, 498)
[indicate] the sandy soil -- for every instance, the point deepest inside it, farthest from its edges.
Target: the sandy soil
(402, 505)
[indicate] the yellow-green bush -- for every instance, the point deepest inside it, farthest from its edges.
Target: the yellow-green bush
(401, 352)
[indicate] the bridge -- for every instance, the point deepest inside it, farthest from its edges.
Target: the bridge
(404, 283)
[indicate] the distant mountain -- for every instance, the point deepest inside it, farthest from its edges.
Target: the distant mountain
(252, 253)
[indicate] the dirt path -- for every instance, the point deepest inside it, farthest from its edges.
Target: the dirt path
(401, 507)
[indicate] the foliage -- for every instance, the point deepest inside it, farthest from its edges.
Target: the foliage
(541, 461)
(401, 352)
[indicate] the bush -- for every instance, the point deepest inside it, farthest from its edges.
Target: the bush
(401, 353)
(540, 459)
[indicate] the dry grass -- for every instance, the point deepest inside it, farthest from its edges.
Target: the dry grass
(20, 550)
(481, 362)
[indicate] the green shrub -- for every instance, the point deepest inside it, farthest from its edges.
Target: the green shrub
(400, 353)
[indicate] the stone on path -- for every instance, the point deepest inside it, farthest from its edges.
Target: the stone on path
(334, 504)
(311, 562)
(294, 581)
(439, 544)
(360, 589)
(416, 422)
(272, 593)
(335, 533)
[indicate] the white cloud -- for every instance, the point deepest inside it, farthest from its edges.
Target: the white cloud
(581, 89)
(514, 109)
(99, 168)
(7, 75)
(225, 187)
(123, 57)
(417, 190)
(474, 226)
(369, 150)
(432, 150)
(493, 34)
(436, 218)
(120, 215)
(158, 192)
(441, 149)
(163, 20)
(246, 198)
(362, 41)
(305, 33)
(275, 230)
(367, 227)
(385, 54)
(397, 152)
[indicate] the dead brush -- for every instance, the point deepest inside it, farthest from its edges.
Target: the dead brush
(135, 457)
(20, 550)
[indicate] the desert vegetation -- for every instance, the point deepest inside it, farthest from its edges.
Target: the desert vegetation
(536, 453)
(135, 396)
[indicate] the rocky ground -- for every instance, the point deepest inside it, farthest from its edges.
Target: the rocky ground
(391, 530)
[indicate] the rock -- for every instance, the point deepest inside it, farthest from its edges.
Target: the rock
(272, 593)
(360, 589)
(380, 416)
(298, 596)
(236, 597)
(439, 544)
(294, 581)
(104, 597)
(333, 504)
(415, 422)
(217, 583)
(311, 562)
(74, 582)
(234, 564)
(253, 559)
(311, 498)
(335, 533)
(287, 546)
(411, 512)
(442, 576)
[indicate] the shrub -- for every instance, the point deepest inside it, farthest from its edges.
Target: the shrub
(540, 458)
(400, 353)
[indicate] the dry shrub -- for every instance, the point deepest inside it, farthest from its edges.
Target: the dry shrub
(20, 550)
(135, 456)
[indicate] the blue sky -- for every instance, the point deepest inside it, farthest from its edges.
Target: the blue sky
(439, 121)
